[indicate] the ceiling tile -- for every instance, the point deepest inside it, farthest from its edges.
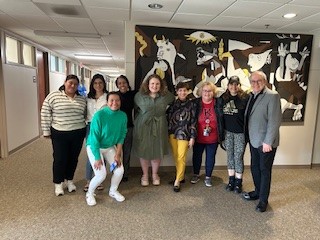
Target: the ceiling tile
(301, 11)
(20, 8)
(108, 13)
(250, 9)
(273, 24)
(191, 19)
(38, 22)
(230, 22)
(205, 7)
(78, 25)
(151, 16)
(168, 5)
(124, 4)
(306, 2)
(301, 27)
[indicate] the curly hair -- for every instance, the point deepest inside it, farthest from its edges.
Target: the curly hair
(144, 88)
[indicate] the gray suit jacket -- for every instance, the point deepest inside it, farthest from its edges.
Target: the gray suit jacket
(265, 119)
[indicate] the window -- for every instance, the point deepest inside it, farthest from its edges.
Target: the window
(28, 55)
(19, 52)
(57, 64)
(12, 50)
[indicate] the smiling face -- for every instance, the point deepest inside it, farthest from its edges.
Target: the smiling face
(122, 85)
(71, 86)
(154, 85)
(233, 88)
(98, 85)
(182, 93)
(257, 82)
(207, 93)
(114, 102)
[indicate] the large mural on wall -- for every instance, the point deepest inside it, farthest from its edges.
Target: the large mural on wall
(195, 56)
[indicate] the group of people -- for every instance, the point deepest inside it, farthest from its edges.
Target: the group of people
(231, 120)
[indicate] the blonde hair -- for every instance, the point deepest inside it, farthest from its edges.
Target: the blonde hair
(211, 85)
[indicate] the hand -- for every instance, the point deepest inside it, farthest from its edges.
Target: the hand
(191, 143)
(282, 50)
(98, 164)
(305, 52)
(266, 148)
(117, 158)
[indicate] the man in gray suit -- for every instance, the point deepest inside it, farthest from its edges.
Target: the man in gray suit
(262, 122)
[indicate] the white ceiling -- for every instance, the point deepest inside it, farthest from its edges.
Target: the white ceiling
(107, 18)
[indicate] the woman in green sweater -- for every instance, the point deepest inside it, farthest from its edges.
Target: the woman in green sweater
(104, 144)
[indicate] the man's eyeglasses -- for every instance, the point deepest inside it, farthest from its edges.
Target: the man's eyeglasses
(256, 82)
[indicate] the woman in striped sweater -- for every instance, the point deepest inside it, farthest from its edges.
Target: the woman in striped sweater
(63, 117)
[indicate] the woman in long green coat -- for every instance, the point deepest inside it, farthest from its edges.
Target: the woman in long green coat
(150, 134)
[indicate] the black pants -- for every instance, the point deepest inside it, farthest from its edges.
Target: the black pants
(261, 168)
(66, 149)
(127, 145)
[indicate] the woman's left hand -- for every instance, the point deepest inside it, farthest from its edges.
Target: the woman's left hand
(117, 158)
(191, 142)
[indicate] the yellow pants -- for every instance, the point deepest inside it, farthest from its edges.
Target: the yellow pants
(179, 150)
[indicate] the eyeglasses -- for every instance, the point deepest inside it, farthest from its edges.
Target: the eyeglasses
(206, 91)
(256, 82)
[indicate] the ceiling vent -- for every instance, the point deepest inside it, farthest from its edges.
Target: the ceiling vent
(59, 10)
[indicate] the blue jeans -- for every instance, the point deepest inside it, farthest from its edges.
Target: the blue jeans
(198, 149)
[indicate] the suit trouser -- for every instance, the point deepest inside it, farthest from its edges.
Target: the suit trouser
(261, 168)
(127, 145)
(66, 149)
(179, 151)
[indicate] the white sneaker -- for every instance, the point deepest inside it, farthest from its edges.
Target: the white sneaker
(71, 187)
(117, 196)
(58, 189)
(91, 201)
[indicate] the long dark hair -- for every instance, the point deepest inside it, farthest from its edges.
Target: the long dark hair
(71, 76)
(92, 91)
(125, 78)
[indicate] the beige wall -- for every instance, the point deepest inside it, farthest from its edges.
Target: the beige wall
(296, 142)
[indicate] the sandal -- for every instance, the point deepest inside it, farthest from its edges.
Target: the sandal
(100, 187)
(86, 187)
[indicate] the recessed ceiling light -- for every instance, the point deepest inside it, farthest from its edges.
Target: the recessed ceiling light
(155, 6)
(290, 15)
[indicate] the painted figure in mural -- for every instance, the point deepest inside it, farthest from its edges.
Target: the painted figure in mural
(182, 130)
(262, 122)
(104, 144)
(63, 116)
(127, 105)
(209, 132)
(290, 79)
(167, 51)
(232, 105)
(96, 99)
(150, 132)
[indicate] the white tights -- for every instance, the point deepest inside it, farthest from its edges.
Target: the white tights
(107, 154)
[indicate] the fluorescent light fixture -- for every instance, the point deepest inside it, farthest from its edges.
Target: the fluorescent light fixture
(93, 57)
(65, 34)
(289, 15)
(113, 75)
(109, 70)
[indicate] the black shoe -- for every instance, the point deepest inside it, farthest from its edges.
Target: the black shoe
(250, 196)
(262, 207)
(238, 189)
(230, 187)
(176, 188)
(125, 179)
(172, 181)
